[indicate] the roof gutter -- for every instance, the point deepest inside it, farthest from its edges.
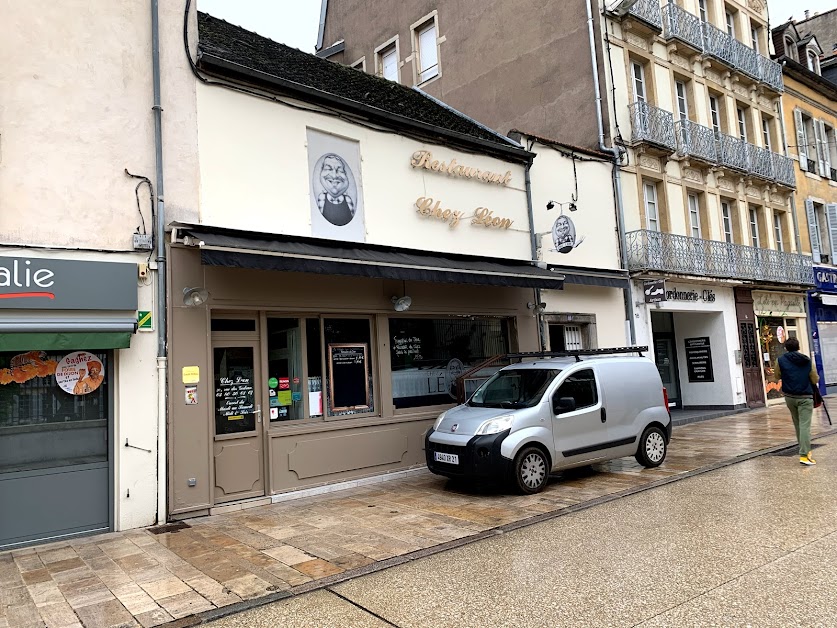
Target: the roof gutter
(617, 181)
(225, 68)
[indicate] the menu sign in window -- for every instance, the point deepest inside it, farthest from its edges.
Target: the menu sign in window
(348, 366)
(699, 360)
(235, 399)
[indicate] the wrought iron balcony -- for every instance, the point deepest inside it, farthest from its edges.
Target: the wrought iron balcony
(650, 124)
(680, 24)
(760, 162)
(648, 11)
(695, 141)
(671, 253)
(732, 152)
(720, 45)
(770, 73)
(783, 171)
(747, 59)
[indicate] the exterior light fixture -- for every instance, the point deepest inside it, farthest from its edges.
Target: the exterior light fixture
(193, 297)
(401, 304)
(538, 307)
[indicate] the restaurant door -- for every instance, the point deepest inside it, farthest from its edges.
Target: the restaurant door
(238, 448)
(665, 354)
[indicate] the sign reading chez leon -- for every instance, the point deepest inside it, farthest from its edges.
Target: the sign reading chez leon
(778, 303)
(60, 284)
(482, 216)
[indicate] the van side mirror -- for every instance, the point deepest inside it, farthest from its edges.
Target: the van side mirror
(563, 405)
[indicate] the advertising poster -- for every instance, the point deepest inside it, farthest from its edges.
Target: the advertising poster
(335, 188)
(79, 373)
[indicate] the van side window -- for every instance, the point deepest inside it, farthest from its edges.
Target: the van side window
(581, 386)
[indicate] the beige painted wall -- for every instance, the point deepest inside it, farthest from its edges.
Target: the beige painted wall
(254, 176)
(606, 304)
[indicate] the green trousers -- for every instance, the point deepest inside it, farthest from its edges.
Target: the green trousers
(801, 409)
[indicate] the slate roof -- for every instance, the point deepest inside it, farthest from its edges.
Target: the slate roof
(297, 70)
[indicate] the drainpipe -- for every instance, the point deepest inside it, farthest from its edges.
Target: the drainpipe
(162, 476)
(617, 180)
(533, 242)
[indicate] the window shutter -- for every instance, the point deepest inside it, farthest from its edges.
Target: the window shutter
(831, 218)
(826, 150)
(819, 145)
(801, 147)
(812, 229)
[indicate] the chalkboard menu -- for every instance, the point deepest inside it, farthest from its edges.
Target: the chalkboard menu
(348, 368)
(699, 360)
(234, 404)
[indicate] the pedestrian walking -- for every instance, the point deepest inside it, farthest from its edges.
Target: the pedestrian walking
(798, 381)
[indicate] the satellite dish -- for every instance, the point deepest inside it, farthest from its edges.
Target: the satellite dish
(401, 304)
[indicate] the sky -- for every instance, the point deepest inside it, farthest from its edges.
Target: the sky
(295, 22)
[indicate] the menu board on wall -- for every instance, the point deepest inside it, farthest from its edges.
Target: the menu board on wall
(234, 397)
(699, 360)
(348, 369)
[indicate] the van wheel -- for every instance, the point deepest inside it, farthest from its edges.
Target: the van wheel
(531, 470)
(652, 448)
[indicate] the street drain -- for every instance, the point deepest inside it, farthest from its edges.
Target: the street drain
(793, 451)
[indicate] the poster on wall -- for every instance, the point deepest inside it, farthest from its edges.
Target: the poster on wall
(699, 360)
(335, 187)
(348, 370)
(79, 373)
(26, 366)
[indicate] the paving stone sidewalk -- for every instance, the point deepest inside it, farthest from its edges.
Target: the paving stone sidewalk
(143, 578)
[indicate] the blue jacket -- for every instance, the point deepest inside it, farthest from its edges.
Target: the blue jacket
(795, 369)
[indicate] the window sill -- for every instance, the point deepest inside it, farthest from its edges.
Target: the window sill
(813, 176)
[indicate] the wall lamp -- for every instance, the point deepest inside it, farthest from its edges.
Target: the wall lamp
(193, 297)
(538, 307)
(401, 304)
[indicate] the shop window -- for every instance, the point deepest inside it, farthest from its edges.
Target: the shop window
(349, 386)
(54, 409)
(580, 386)
(773, 332)
(429, 354)
(285, 369)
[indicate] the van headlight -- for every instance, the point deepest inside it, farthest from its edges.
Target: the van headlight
(496, 425)
(439, 420)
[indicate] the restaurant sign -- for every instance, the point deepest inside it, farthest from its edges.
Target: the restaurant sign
(60, 284)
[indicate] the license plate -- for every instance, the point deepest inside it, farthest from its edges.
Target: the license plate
(448, 458)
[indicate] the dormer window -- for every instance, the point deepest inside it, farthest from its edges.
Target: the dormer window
(790, 48)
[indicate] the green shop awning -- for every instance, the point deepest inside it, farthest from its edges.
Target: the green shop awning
(54, 341)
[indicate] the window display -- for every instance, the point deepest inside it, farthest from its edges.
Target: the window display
(349, 384)
(428, 355)
(773, 332)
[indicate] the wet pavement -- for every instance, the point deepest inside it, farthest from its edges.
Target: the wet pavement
(240, 558)
(750, 544)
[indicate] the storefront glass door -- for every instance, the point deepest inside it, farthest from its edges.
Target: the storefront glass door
(665, 354)
(239, 446)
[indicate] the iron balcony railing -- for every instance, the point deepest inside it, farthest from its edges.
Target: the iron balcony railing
(671, 253)
(648, 11)
(732, 152)
(759, 162)
(783, 170)
(652, 124)
(695, 140)
(712, 41)
(680, 24)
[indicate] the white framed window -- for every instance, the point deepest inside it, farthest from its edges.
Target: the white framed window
(715, 114)
(702, 10)
(638, 81)
(742, 123)
(426, 46)
(652, 210)
(682, 100)
(831, 148)
(730, 19)
(790, 48)
(754, 227)
(694, 215)
(813, 61)
(765, 133)
(386, 61)
(777, 231)
(360, 64)
(726, 215)
(754, 38)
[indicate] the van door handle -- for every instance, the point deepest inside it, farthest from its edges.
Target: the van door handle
(604, 415)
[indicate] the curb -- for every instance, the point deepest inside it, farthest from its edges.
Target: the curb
(329, 581)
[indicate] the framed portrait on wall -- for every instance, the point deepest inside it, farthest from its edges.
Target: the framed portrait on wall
(336, 191)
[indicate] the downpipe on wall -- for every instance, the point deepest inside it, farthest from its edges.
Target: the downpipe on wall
(162, 370)
(617, 179)
(533, 243)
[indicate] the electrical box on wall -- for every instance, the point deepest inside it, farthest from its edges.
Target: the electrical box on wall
(142, 242)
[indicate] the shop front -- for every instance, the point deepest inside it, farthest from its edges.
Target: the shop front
(822, 308)
(63, 324)
(692, 333)
(780, 315)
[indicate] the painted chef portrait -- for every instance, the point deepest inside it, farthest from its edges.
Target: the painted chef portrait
(336, 202)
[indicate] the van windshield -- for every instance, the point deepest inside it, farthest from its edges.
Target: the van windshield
(513, 388)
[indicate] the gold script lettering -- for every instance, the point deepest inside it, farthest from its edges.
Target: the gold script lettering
(485, 217)
(424, 159)
(427, 207)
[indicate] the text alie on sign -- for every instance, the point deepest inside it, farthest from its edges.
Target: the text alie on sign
(431, 208)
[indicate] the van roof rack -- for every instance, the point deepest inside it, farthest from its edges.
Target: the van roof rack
(576, 353)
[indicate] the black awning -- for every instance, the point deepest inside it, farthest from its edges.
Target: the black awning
(591, 277)
(222, 247)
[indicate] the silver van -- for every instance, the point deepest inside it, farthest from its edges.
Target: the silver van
(531, 418)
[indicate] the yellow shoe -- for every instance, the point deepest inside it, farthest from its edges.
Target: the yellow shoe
(807, 460)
